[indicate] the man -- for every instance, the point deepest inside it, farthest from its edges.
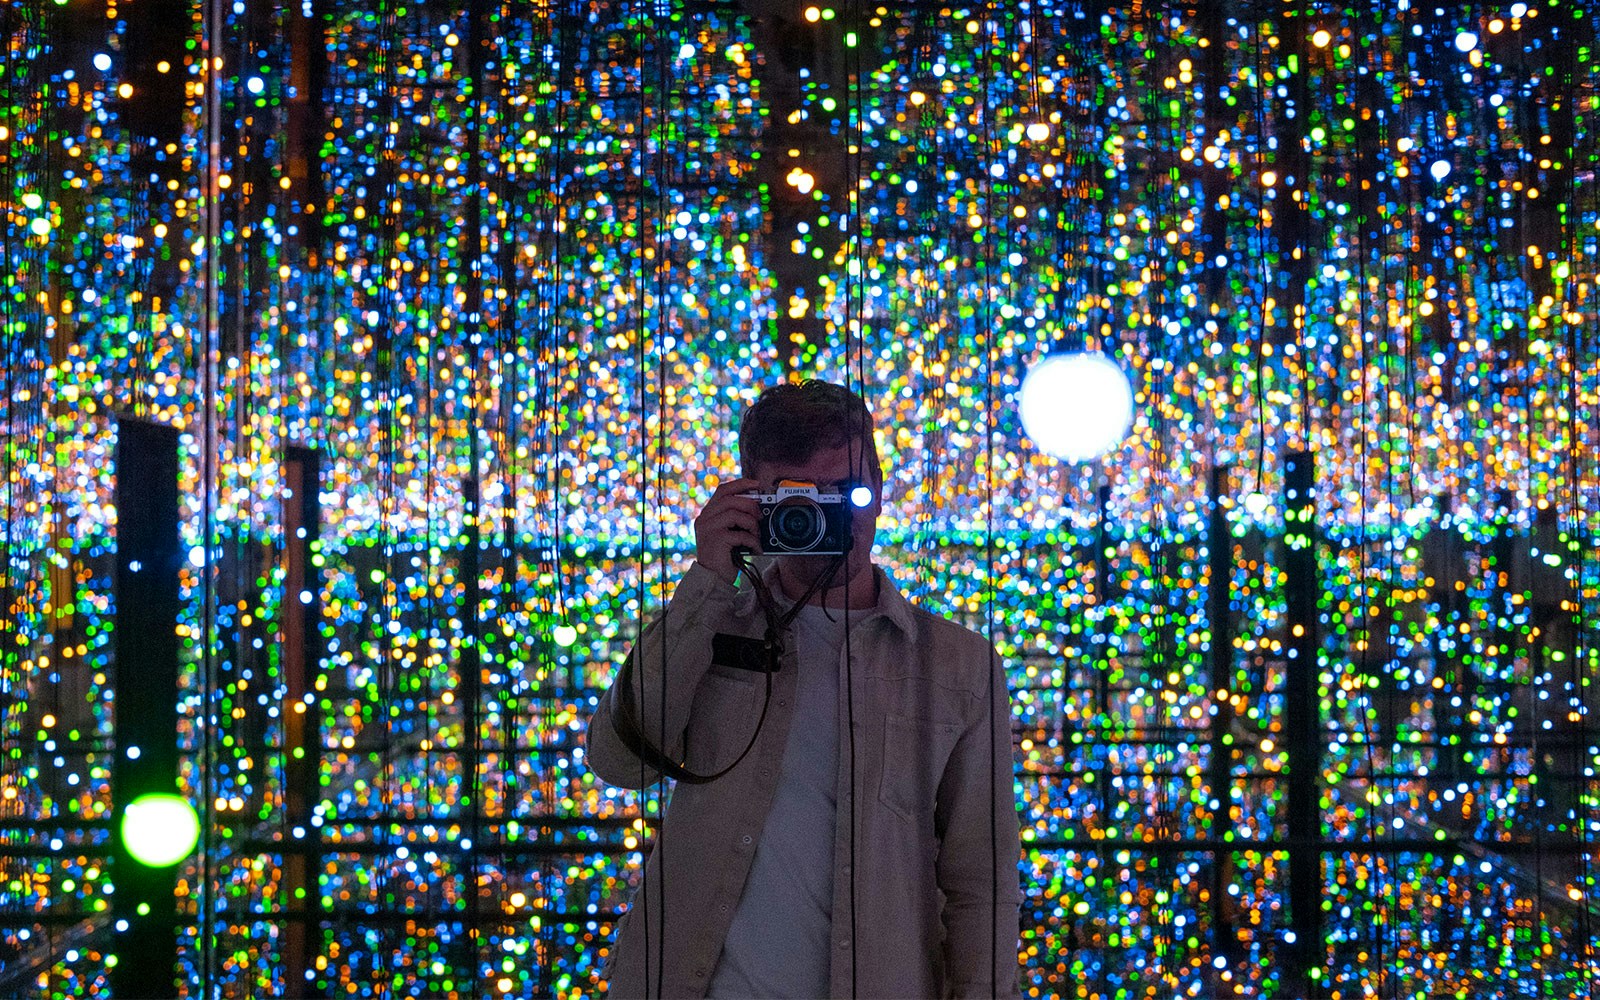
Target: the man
(863, 840)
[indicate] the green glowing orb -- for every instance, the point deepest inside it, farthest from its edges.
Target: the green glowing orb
(160, 829)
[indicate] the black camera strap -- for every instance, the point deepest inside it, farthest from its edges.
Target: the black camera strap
(624, 720)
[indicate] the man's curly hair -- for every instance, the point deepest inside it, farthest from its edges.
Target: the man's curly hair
(792, 421)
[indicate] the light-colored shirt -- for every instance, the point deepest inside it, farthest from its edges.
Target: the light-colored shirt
(777, 945)
(926, 883)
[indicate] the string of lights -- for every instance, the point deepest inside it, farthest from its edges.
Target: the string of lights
(444, 244)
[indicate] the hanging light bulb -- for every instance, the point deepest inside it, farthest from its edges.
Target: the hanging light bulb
(1076, 406)
(159, 829)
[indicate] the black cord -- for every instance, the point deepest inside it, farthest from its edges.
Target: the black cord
(855, 312)
(1572, 548)
(987, 260)
(624, 718)
(662, 173)
(1364, 608)
(1385, 937)
(644, 589)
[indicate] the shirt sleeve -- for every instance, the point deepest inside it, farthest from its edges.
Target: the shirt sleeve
(662, 672)
(979, 851)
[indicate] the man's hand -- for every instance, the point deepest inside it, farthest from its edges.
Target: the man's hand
(727, 521)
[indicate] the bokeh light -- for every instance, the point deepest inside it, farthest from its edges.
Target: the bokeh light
(160, 829)
(1075, 406)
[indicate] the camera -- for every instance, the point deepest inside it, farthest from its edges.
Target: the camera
(799, 520)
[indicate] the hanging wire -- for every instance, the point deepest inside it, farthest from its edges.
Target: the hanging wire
(1386, 930)
(855, 267)
(549, 369)
(470, 666)
(565, 51)
(659, 21)
(506, 375)
(11, 329)
(929, 290)
(1575, 549)
(1580, 521)
(1264, 315)
(1522, 115)
(387, 376)
(855, 334)
(1164, 941)
(655, 949)
(541, 287)
(1384, 924)
(212, 25)
(989, 53)
(560, 55)
(21, 27)
(433, 601)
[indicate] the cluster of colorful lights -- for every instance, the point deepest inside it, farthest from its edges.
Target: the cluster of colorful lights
(550, 249)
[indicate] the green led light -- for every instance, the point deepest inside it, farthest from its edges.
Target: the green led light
(159, 829)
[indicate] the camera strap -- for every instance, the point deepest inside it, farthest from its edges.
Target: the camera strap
(625, 719)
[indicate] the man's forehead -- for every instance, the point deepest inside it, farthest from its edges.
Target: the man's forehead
(829, 465)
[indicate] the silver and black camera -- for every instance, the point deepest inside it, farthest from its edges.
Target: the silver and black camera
(799, 520)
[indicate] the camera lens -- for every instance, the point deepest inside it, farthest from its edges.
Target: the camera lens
(797, 524)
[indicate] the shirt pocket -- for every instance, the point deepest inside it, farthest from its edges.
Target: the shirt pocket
(722, 718)
(914, 755)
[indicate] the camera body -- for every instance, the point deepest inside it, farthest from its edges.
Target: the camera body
(800, 520)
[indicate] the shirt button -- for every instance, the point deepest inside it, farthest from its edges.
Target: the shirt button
(766, 772)
(699, 973)
(782, 703)
(745, 839)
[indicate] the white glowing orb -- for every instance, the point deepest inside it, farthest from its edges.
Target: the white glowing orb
(1076, 406)
(160, 829)
(1440, 169)
(564, 635)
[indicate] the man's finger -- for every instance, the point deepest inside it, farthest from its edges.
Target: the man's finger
(734, 485)
(732, 501)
